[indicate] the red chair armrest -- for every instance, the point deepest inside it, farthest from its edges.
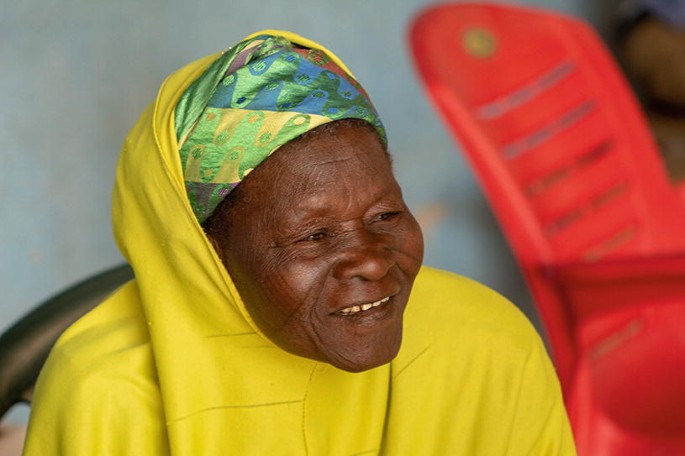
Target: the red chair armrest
(609, 285)
(647, 269)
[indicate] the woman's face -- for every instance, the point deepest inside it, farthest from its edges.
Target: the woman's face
(323, 249)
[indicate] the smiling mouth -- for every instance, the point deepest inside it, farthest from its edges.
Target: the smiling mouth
(352, 310)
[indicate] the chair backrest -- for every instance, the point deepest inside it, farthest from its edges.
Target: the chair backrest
(25, 346)
(557, 140)
(552, 130)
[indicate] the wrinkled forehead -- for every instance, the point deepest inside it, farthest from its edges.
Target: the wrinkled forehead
(343, 156)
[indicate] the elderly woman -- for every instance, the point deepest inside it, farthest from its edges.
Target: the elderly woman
(279, 304)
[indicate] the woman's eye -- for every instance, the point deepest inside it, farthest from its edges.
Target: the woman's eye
(315, 236)
(388, 215)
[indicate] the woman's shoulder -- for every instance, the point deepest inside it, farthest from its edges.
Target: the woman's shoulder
(112, 330)
(452, 306)
(472, 366)
(101, 369)
(460, 327)
(109, 337)
(107, 343)
(445, 291)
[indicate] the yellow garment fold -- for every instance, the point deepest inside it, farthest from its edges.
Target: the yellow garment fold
(173, 364)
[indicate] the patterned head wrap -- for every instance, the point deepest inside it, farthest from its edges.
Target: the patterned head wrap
(257, 96)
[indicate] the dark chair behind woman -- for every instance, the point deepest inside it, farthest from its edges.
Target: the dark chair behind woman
(24, 347)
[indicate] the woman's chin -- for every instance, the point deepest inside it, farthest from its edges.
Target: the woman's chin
(359, 361)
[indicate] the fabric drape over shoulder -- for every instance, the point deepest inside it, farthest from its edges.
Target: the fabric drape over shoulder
(173, 364)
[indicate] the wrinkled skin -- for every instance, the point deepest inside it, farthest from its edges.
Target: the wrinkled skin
(319, 227)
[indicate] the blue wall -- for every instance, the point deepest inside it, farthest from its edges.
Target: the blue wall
(75, 75)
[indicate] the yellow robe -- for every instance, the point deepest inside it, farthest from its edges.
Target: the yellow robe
(173, 364)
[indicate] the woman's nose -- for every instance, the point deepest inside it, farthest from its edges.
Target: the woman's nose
(364, 255)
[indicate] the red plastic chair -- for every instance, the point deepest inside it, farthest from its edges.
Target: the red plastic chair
(565, 157)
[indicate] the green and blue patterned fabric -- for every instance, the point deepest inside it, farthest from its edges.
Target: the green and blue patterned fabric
(257, 96)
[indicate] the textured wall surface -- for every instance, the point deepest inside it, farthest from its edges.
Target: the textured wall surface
(76, 74)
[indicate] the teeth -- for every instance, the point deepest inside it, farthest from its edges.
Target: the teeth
(354, 309)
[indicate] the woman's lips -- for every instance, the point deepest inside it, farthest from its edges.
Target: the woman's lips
(353, 310)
